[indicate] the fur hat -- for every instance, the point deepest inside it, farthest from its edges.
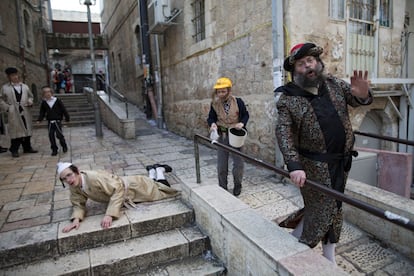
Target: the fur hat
(10, 70)
(61, 166)
(299, 51)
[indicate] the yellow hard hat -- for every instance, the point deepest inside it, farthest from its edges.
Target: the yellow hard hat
(222, 83)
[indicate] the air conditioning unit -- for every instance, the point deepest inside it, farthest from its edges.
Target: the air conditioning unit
(159, 13)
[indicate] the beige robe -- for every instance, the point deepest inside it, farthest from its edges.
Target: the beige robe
(102, 186)
(9, 105)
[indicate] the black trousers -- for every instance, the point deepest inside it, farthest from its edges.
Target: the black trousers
(16, 142)
(55, 131)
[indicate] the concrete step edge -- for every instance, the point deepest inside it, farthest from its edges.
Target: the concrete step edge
(202, 265)
(48, 241)
(122, 257)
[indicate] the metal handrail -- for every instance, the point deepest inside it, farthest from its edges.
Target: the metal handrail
(384, 214)
(388, 138)
(121, 97)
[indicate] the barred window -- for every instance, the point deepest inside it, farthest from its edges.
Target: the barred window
(138, 61)
(28, 29)
(199, 22)
(337, 9)
(385, 13)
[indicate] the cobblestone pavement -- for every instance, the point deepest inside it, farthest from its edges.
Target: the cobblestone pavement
(31, 195)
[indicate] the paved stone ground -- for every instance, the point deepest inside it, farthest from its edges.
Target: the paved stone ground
(30, 194)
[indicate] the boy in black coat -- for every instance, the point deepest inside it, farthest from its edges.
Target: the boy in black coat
(54, 110)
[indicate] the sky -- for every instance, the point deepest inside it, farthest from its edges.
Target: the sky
(74, 5)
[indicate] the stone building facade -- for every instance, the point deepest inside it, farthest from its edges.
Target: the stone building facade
(121, 24)
(21, 41)
(234, 39)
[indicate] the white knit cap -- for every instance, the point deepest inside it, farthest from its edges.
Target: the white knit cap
(61, 166)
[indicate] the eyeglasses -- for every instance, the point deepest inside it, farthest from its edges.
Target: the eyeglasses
(67, 176)
(305, 61)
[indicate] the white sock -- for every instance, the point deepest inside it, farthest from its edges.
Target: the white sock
(298, 230)
(160, 173)
(329, 251)
(152, 174)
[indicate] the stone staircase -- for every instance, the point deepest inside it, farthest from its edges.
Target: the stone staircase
(80, 110)
(158, 238)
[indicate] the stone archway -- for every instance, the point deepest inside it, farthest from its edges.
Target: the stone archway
(381, 122)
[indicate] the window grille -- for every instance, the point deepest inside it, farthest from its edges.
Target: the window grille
(361, 35)
(385, 18)
(337, 9)
(28, 29)
(199, 20)
(138, 61)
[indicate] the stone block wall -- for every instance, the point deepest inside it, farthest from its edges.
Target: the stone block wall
(395, 236)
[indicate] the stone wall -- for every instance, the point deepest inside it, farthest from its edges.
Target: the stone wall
(238, 47)
(395, 236)
(26, 54)
(119, 21)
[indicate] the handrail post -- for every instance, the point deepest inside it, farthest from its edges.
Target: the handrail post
(197, 159)
(109, 93)
(126, 109)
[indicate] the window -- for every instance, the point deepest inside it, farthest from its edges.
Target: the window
(138, 60)
(27, 29)
(361, 35)
(385, 13)
(337, 9)
(1, 25)
(199, 20)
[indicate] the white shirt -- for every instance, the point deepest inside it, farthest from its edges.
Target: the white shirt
(51, 101)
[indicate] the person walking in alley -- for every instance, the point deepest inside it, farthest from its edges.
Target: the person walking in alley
(16, 99)
(227, 111)
(54, 110)
(102, 186)
(316, 139)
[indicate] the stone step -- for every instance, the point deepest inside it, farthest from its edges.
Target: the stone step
(81, 111)
(178, 251)
(199, 265)
(37, 243)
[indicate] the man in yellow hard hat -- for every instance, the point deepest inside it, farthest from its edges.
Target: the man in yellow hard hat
(227, 111)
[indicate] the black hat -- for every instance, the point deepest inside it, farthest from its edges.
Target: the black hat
(299, 51)
(10, 70)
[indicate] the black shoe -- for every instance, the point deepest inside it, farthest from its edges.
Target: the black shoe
(54, 153)
(166, 167)
(65, 148)
(164, 181)
(149, 167)
(225, 188)
(30, 151)
(15, 154)
(237, 190)
(2, 149)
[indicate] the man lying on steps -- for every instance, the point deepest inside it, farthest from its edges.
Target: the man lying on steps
(102, 186)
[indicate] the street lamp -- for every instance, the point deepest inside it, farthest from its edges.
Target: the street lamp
(98, 124)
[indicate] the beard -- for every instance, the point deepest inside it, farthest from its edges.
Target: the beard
(310, 78)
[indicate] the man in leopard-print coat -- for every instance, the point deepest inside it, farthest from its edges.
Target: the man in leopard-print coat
(316, 139)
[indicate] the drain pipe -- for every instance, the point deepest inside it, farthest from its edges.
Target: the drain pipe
(158, 83)
(146, 59)
(278, 56)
